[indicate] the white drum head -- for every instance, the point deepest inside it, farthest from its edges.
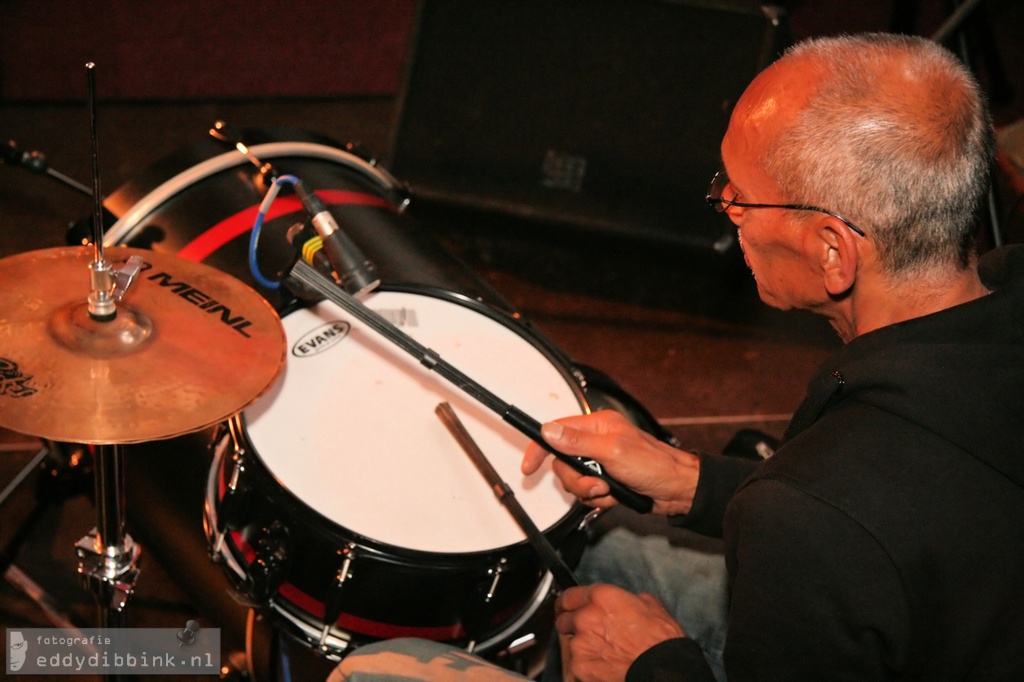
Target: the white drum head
(351, 431)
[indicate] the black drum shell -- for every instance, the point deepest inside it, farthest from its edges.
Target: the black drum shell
(394, 592)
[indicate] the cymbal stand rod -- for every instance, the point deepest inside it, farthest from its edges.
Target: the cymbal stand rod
(107, 556)
(109, 496)
(101, 303)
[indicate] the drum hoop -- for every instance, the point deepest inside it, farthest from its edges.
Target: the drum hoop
(145, 206)
(309, 630)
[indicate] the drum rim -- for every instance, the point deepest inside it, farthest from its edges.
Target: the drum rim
(122, 230)
(308, 631)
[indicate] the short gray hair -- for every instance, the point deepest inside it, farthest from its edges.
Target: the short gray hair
(913, 173)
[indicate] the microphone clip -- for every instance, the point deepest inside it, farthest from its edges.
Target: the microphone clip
(356, 273)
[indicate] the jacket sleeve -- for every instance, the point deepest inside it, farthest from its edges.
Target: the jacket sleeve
(673, 660)
(720, 477)
(814, 596)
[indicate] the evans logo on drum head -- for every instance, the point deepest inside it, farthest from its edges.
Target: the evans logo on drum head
(320, 339)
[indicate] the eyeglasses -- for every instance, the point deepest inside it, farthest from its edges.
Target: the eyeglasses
(720, 204)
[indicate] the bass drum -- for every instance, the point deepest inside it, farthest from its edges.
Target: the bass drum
(201, 203)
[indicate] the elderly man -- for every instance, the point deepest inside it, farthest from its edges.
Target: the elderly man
(884, 539)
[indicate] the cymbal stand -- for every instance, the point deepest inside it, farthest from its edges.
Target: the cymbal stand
(107, 556)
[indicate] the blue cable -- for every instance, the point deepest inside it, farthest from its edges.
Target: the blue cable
(254, 238)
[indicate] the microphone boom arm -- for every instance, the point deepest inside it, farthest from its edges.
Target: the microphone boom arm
(522, 422)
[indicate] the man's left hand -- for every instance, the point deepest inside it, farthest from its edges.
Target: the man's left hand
(605, 629)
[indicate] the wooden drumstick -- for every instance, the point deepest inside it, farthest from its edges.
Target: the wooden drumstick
(552, 559)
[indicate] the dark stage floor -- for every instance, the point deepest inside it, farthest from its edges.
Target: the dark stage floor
(682, 334)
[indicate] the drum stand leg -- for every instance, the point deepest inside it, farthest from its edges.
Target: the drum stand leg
(107, 556)
(62, 480)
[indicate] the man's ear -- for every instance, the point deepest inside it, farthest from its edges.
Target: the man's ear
(839, 258)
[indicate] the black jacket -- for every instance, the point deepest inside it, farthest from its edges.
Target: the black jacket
(885, 538)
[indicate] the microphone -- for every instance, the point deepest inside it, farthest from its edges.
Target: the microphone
(358, 275)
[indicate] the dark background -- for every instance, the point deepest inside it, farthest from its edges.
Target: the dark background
(677, 326)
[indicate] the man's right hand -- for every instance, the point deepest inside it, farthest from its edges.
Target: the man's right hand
(630, 455)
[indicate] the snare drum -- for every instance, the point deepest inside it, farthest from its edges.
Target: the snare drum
(341, 504)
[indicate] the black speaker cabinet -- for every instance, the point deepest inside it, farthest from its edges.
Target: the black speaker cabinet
(603, 115)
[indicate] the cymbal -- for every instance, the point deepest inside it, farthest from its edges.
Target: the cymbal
(190, 346)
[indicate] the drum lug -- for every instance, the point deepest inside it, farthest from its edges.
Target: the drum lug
(590, 518)
(335, 597)
(234, 427)
(495, 573)
(580, 377)
(405, 200)
(267, 570)
(232, 504)
(476, 626)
